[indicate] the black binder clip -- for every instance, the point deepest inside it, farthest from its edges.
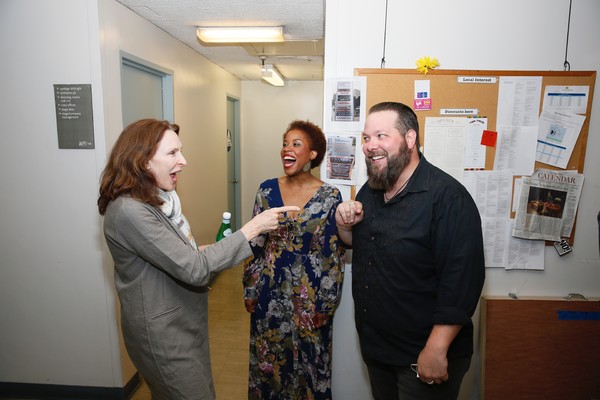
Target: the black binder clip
(562, 247)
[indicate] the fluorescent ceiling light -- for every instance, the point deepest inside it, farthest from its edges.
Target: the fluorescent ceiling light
(271, 75)
(241, 34)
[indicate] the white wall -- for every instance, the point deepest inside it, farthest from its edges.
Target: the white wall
(201, 89)
(54, 302)
(469, 34)
(57, 297)
(266, 111)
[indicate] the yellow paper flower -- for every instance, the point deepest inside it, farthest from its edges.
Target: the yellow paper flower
(424, 64)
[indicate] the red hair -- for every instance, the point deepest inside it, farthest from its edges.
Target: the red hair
(126, 171)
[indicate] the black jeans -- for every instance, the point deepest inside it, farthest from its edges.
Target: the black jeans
(389, 382)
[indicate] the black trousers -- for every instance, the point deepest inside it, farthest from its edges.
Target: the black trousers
(389, 382)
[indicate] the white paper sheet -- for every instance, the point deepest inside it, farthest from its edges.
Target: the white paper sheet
(444, 144)
(491, 191)
(517, 123)
(566, 98)
(340, 162)
(523, 253)
(519, 100)
(347, 107)
(474, 150)
(516, 149)
(557, 134)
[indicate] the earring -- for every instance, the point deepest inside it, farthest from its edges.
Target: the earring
(306, 167)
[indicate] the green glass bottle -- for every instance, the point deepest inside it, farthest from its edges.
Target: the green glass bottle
(225, 228)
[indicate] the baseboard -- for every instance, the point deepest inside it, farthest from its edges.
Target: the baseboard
(66, 392)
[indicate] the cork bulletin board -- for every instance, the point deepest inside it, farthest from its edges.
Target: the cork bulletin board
(540, 348)
(448, 93)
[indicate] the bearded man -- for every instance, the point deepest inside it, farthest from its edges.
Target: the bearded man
(417, 266)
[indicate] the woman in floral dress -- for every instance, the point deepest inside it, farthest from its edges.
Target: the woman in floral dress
(293, 282)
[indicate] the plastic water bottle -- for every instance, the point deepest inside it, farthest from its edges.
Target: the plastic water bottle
(225, 228)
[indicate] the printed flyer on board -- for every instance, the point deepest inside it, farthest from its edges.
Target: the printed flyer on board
(548, 204)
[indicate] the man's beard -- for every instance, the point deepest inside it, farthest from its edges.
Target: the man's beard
(386, 178)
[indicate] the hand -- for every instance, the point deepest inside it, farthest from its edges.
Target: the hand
(250, 305)
(266, 221)
(432, 366)
(348, 214)
(433, 359)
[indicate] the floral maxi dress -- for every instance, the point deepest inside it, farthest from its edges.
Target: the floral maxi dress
(296, 270)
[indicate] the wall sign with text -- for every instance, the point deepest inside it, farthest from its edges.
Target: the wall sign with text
(74, 117)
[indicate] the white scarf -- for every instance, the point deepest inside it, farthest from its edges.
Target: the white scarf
(172, 210)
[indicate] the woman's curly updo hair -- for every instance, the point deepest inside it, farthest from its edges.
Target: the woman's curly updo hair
(316, 138)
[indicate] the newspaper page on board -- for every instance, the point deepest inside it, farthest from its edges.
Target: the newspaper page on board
(548, 204)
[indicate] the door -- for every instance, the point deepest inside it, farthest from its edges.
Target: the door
(233, 162)
(146, 90)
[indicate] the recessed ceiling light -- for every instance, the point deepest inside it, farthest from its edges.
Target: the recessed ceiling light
(240, 34)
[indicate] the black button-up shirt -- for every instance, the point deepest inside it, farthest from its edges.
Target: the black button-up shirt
(417, 261)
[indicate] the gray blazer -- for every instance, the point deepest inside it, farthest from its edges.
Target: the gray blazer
(161, 282)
